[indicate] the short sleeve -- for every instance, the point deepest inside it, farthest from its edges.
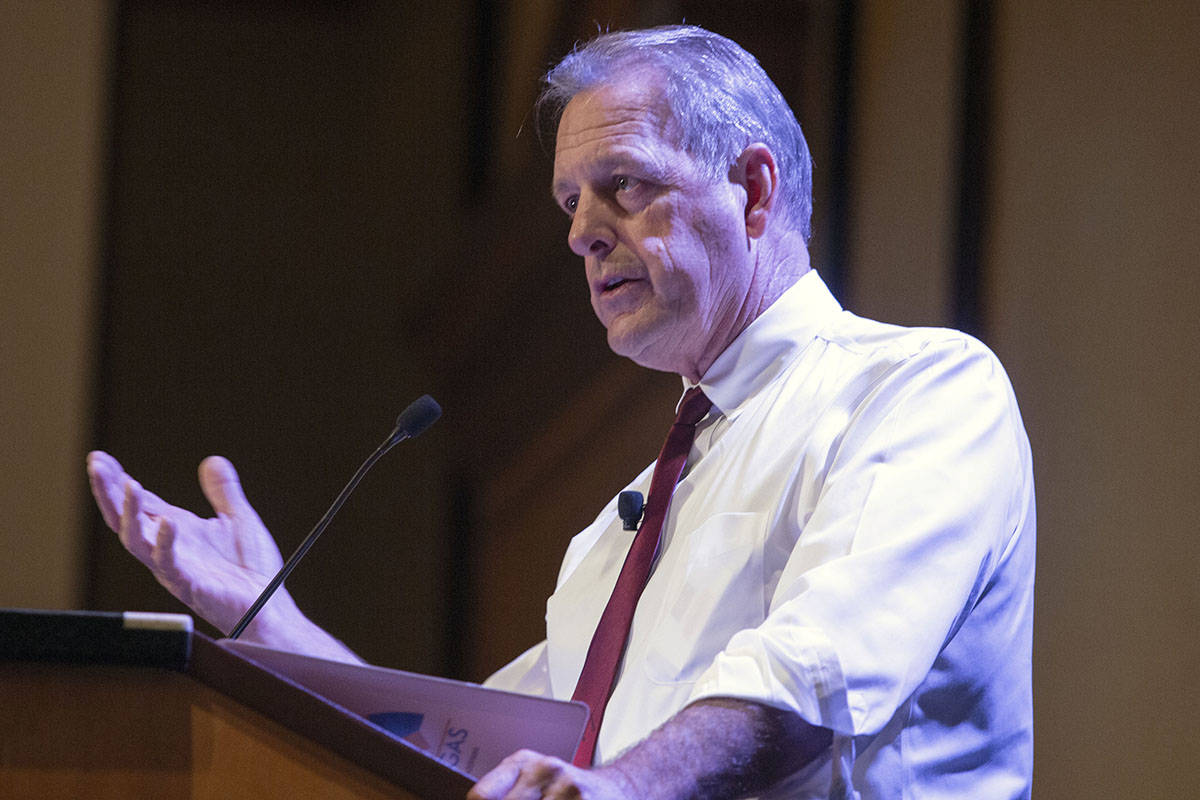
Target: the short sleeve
(925, 489)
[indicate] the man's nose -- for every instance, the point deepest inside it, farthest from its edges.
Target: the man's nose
(591, 231)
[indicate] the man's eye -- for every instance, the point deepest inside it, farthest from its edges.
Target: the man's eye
(624, 183)
(571, 203)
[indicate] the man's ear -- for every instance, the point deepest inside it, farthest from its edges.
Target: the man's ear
(756, 170)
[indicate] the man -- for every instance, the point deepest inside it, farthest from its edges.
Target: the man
(837, 601)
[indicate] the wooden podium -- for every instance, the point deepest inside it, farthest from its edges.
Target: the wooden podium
(216, 725)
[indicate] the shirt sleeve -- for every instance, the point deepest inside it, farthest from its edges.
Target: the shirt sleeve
(925, 488)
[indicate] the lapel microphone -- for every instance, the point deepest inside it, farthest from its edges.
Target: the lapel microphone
(630, 505)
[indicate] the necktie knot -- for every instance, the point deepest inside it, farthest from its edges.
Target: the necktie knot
(692, 407)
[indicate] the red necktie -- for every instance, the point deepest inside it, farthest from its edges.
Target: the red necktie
(608, 642)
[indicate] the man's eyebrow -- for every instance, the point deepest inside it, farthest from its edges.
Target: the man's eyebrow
(617, 160)
(558, 189)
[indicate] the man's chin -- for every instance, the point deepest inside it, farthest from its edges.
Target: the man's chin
(639, 349)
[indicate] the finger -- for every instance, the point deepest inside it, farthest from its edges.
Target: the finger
(544, 776)
(527, 775)
(220, 484)
(164, 548)
(107, 480)
(565, 785)
(152, 504)
(166, 564)
(130, 527)
(497, 783)
(540, 778)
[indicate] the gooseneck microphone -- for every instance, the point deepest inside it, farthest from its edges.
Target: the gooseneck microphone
(412, 422)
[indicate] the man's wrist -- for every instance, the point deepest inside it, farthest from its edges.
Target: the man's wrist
(281, 625)
(626, 781)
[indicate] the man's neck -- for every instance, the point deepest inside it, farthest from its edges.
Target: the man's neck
(779, 264)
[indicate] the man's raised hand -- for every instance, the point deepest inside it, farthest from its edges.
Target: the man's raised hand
(216, 566)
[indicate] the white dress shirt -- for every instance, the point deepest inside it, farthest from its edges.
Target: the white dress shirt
(853, 540)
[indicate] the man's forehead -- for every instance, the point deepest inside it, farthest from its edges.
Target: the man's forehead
(613, 113)
(634, 92)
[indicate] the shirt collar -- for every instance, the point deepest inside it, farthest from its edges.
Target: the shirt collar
(768, 344)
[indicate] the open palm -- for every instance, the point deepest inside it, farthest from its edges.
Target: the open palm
(216, 566)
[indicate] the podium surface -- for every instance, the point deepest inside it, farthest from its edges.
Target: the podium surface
(223, 726)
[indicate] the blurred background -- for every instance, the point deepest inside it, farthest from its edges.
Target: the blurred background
(261, 228)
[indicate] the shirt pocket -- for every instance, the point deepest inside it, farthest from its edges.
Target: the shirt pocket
(715, 591)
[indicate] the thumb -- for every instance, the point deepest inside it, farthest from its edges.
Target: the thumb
(220, 484)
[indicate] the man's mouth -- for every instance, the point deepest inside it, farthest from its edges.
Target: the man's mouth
(614, 283)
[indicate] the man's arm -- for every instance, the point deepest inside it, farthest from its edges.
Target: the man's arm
(714, 748)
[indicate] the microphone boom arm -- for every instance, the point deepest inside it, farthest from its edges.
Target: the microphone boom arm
(422, 413)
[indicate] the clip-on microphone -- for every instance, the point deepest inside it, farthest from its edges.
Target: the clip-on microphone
(630, 505)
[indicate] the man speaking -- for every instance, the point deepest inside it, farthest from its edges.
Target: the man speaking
(829, 593)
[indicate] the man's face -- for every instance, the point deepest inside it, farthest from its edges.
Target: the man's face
(664, 244)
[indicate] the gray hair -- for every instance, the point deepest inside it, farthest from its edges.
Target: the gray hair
(720, 97)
